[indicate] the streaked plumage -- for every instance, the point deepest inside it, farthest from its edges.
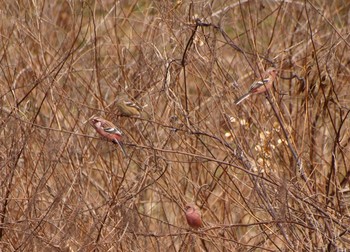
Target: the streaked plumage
(126, 107)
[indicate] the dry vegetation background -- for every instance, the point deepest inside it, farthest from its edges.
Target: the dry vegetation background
(270, 174)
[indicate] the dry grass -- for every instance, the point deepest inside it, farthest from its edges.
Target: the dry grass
(270, 174)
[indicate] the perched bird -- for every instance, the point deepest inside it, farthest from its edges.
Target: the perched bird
(126, 107)
(193, 216)
(261, 85)
(108, 130)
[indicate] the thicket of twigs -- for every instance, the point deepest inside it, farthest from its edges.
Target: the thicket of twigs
(269, 174)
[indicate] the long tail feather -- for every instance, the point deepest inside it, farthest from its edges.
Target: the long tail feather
(242, 98)
(121, 147)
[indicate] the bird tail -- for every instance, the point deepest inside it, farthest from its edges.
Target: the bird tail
(242, 98)
(121, 147)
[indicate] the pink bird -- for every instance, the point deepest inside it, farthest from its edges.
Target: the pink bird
(193, 216)
(261, 85)
(108, 130)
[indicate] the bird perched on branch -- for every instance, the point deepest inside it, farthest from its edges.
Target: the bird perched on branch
(193, 215)
(261, 85)
(108, 130)
(126, 107)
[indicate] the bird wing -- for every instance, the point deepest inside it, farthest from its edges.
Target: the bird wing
(113, 131)
(131, 104)
(258, 84)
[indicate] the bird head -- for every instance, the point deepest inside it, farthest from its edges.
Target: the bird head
(191, 207)
(94, 120)
(272, 71)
